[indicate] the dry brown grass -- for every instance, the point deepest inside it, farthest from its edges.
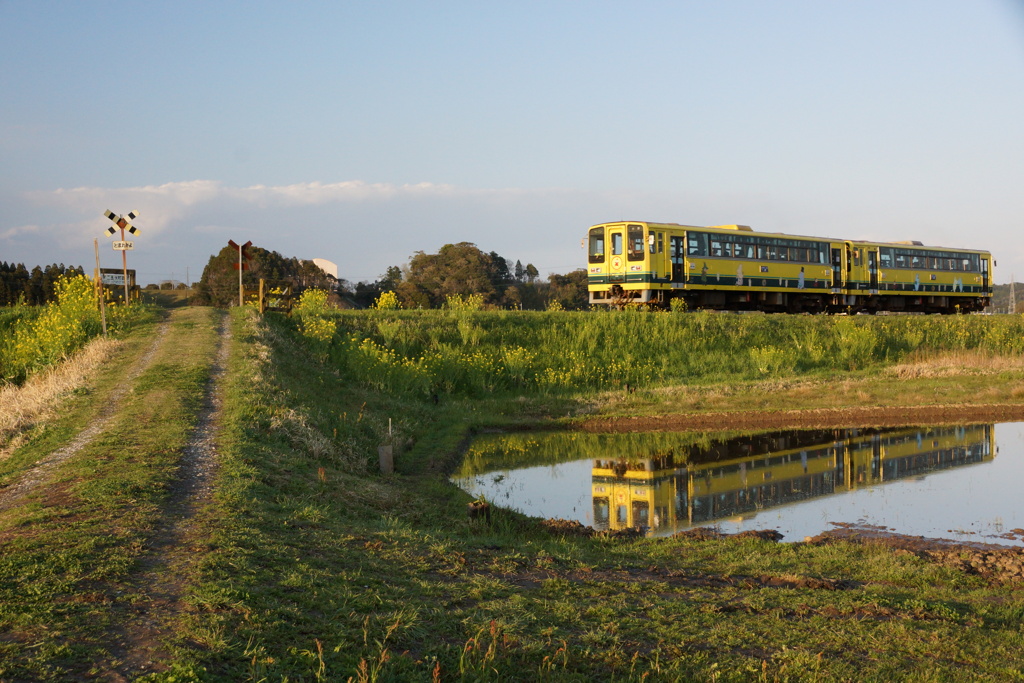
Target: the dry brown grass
(38, 399)
(955, 363)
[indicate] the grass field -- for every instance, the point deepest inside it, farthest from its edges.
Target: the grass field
(483, 353)
(308, 565)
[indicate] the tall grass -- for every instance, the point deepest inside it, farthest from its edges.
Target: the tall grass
(472, 353)
(32, 339)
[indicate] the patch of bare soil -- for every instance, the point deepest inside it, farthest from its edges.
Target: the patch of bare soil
(141, 645)
(873, 416)
(14, 493)
(998, 564)
(568, 527)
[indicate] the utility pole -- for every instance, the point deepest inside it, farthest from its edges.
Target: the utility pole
(1012, 306)
(99, 286)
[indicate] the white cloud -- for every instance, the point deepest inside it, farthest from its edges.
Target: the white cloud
(10, 233)
(159, 205)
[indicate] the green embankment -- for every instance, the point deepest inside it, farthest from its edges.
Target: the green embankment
(310, 565)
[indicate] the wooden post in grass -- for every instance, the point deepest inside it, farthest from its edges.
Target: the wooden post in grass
(99, 287)
(387, 459)
(385, 453)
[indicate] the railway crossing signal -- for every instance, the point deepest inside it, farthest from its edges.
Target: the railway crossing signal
(123, 223)
(243, 252)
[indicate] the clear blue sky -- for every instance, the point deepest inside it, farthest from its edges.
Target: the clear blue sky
(361, 132)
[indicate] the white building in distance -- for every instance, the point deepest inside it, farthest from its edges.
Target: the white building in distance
(328, 267)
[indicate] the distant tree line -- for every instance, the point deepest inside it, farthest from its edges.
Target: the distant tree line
(35, 287)
(426, 281)
(463, 269)
(219, 284)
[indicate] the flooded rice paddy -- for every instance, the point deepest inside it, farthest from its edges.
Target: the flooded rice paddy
(955, 482)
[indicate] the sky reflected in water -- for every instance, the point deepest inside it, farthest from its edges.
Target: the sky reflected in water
(960, 483)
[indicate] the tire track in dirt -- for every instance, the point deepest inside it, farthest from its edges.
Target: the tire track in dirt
(13, 494)
(140, 645)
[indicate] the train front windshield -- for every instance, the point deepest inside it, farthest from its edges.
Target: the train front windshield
(597, 245)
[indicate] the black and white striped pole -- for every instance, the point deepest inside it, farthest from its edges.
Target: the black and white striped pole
(123, 246)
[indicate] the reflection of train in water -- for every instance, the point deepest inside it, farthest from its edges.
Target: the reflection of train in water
(746, 474)
(731, 267)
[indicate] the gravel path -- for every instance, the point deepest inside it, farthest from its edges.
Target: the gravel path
(14, 493)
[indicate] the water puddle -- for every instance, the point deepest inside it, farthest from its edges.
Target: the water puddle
(959, 483)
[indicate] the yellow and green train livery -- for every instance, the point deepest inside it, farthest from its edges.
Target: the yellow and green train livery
(731, 267)
(748, 475)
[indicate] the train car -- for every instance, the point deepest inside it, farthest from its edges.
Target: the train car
(908, 276)
(732, 267)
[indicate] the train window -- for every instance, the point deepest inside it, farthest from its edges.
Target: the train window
(901, 261)
(783, 254)
(696, 244)
(915, 261)
(597, 245)
(750, 250)
(636, 242)
(885, 258)
(952, 264)
(762, 252)
(676, 247)
(716, 248)
(661, 242)
(967, 264)
(616, 244)
(773, 252)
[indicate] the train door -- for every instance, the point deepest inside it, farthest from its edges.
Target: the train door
(617, 255)
(984, 275)
(678, 257)
(837, 268)
(873, 270)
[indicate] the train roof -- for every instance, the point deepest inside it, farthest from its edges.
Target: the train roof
(914, 244)
(917, 245)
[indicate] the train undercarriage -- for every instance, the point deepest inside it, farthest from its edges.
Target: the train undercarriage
(792, 302)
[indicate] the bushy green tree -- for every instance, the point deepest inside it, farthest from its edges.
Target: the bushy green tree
(456, 269)
(219, 284)
(367, 293)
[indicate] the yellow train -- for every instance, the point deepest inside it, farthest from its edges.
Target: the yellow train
(731, 267)
(751, 474)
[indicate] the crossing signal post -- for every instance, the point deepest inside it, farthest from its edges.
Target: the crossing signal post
(123, 223)
(243, 252)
